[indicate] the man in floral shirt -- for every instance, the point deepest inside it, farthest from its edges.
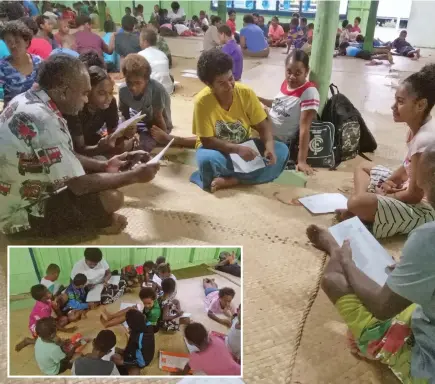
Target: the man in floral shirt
(44, 185)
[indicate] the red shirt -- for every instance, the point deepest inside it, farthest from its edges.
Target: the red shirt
(232, 25)
(356, 29)
(40, 47)
(68, 15)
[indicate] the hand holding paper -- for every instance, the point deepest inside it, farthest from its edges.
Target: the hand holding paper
(248, 158)
(124, 126)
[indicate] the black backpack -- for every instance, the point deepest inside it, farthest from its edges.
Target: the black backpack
(352, 137)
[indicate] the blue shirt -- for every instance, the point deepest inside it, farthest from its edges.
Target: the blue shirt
(64, 51)
(233, 49)
(114, 57)
(4, 51)
(352, 51)
(254, 36)
(33, 9)
(13, 81)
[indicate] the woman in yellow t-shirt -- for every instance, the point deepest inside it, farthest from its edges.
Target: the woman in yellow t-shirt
(224, 114)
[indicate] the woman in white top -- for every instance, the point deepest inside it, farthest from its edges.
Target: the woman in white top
(157, 59)
(295, 107)
(97, 271)
(211, 36)
(394, 202)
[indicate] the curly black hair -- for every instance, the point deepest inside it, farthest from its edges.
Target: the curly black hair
(38, 291)
(92, 58)
(52, 72)
(17, 28)
(31, 24)
(14, 10)
(213, 63)
(80, 279)
(422, 85)
(226, 291)
(147, 293)
(93, 254)
(196, 333)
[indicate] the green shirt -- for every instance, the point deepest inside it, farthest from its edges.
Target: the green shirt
(153, 315)
(48, 356)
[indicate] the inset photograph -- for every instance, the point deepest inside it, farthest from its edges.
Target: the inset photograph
(112, 311)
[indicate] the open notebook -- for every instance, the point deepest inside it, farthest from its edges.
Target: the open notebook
(172, 361)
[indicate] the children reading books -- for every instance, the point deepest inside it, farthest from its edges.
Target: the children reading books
(233, 339)
(43, 308)
(213, 357)
(151, 310)
(51, 359)
(170, 308)
(218, 301)
(131, 274)
(148, 274)
(140, 348)
(163, 271)
(92, 364)
(51, 276)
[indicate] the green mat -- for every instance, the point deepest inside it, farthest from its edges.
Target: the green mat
(190, 272)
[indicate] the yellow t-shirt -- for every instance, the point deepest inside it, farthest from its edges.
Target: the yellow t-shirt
(211, 120)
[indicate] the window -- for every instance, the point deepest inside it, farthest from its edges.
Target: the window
(306, 8)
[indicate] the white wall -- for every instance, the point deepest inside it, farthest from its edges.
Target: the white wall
(421, 26)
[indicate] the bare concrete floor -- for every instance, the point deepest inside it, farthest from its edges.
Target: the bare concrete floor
(189, 292)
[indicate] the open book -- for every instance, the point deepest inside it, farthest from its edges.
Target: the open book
(172, 361)
(367, 253)
(94, 294)
(130, 305)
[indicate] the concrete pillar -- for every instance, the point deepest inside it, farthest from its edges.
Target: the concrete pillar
(102, 14)
(371, 25)
(325, 31)
(222, 10)
(421, 26)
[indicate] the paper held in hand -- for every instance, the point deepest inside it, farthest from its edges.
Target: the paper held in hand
(159, 156)
(94, 295)
(324, 202)
(367, 253)
(119, 131)
(242, 166)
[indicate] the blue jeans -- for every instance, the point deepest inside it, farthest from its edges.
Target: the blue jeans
(213, 164)
(210, 290)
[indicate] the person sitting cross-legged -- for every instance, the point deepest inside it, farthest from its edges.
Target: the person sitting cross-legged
(395, 323)
(224, 113)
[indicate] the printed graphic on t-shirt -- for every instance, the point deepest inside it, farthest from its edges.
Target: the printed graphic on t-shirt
(280, 107)
(232, 132)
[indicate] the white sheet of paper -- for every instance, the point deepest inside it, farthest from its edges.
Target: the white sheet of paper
(157, 280)
(193, 71)
(109, 355)
(127, 305)
(157, 157)
(367, 253)
(186, 314)
(95, 293)
(125, 124)
(191, 348)
(114, 280)
(176, 83)
(173, 361)
(243, 166)
(324, 202)
(191, 75)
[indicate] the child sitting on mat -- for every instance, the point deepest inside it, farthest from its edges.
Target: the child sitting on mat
(170, 307)
(233, 339)
(132, 274)
(213, 357)
(140, 348)
(164, 272)
(51, 359)
(142, 94)
(218, 301)
(76, 305)
(148, 274)
(93, 363)
(51, 276)
(43, 308)
(151, 310)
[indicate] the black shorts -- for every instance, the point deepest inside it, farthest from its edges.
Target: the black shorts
(66, 212)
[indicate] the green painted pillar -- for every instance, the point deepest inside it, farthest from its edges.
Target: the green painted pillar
(222, 10)
(325, 31)
(371, 25)
(102, 14)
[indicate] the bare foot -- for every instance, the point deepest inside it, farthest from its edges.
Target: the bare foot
(223, 183)
(343, 214)
(390, 58)
(321, 238)
(103, 321)
(27, 341)
(119, 222)
(105, 314)
(417, 53)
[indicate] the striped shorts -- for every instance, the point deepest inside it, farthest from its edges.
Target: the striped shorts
(393, 216)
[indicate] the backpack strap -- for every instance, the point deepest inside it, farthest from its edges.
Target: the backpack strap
(333, 89)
